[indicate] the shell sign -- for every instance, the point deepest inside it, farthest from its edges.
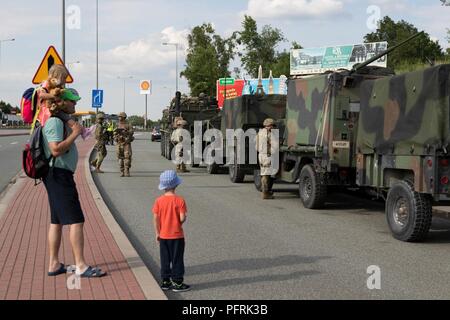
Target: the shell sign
(146, 87)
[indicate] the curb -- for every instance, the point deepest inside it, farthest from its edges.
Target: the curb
(147, 282)
(9, 193)
(14, 134)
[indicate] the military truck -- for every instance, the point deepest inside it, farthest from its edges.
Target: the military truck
(370, 129)
(190, 109)
(246, 112)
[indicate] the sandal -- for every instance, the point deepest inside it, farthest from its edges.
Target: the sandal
(62, 269)
(93, 273)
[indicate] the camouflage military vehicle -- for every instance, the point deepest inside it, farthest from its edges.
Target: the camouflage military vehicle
(247, 112)
(402, 147)
(190, 109)
(369, 128)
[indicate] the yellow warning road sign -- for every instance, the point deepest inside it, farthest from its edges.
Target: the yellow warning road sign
(51, 57)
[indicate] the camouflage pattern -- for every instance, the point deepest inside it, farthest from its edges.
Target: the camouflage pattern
(124, 136)
(322, 120)
(250, 111)
(404, 130)
(101, 136)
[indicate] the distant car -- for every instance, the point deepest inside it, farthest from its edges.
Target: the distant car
(156, 135)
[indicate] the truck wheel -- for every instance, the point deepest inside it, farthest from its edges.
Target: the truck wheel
(313, 190)
(257, 180)
(408, 213)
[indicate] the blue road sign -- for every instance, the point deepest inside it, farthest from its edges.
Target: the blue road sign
(97, 98)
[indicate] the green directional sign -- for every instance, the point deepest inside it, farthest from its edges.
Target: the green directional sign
(226, 81)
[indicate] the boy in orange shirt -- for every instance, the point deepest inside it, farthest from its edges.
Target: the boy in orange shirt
(169, 214)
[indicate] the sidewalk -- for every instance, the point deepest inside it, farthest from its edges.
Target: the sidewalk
(24, 223)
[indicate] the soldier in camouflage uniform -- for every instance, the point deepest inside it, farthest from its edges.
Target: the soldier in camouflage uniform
(265, 146)
(101, 137)
(123, 136)
(177, 139)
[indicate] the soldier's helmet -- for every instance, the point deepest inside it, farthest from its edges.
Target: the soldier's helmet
(123, 115)
(202, 95)
(268, 122)
(100, 116)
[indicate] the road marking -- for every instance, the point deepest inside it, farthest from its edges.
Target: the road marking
(15, 142)
(138, 134)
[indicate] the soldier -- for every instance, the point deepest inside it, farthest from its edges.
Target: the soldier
(123, 136)
(265, 146)
(177, 139)
(101, 136)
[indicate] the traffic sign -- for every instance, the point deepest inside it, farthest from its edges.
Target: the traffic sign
(226, 81)
(97, 98)
(51, 57)
(146, 87)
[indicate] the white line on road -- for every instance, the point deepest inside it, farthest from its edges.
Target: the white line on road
(15, 142)
(138, 134)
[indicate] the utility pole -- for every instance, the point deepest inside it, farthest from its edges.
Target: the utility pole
(64, 31)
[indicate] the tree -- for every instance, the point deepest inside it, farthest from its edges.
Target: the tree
(8, 108)
(283, 64)
(208, 59)
(259, 47)
(418, 50)
(448, 40)
(136, 121)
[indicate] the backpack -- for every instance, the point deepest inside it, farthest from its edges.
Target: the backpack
(34, 162)
(28, 105)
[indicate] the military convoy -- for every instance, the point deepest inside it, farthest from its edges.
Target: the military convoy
(191, 109)
(366, 128)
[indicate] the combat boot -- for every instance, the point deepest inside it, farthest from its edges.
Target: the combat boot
(122, 173)
(183, 168)
(267, 195)
(178, 168)
(97, 170)
(127, 172)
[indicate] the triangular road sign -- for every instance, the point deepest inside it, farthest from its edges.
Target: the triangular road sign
(51, 57)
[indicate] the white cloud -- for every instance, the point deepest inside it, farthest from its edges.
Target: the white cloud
(142, 55)
(23, 21)
(272, 9)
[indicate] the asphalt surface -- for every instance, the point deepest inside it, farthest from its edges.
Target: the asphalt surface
(10, 158)
(241, 247)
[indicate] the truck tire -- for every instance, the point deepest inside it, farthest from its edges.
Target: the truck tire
(257, 180)
(408, 213)
(312, 188)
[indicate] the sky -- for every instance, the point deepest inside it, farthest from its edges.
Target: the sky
(131, 33)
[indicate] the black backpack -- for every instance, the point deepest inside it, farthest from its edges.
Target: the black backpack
(34, 162)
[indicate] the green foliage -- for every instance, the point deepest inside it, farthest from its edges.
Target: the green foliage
(259, 47)
(208, 59)
(283, 64)
(8, 108)
(418, 50)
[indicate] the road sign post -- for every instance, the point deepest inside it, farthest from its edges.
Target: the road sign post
(51, 57)
(97, 99)
(145, 89)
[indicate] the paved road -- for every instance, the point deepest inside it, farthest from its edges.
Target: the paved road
(10, 158)
(240, 247)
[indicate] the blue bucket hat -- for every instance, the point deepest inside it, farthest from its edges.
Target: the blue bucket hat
(169, 180)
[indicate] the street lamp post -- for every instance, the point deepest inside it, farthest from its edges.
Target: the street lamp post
(6, 40)
(64, 30)
(176, 60)
(124, 81)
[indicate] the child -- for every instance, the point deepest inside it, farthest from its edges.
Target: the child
(51, 97)
(169, 215)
